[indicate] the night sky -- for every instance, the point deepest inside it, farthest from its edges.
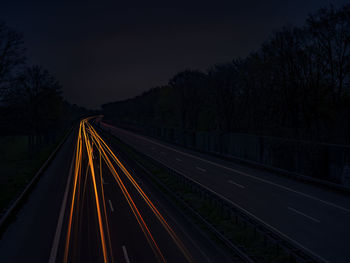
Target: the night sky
(104, 51)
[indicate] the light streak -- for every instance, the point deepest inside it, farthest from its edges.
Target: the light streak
(161, 219)
(140, 220)
(76, 171)
(89, 151)
(83, 139)
(104, 208)
(89, 139)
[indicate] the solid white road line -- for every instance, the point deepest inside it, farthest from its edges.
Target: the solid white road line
(111, 206)
(239, 185)
(201, 169)
(242, 173)
(56, 240)
(125, 252)
(305, 215)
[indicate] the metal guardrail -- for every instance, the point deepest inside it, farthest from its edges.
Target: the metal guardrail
(238, 251)
(296, 251)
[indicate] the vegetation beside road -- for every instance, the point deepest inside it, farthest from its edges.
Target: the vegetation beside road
(18, 165)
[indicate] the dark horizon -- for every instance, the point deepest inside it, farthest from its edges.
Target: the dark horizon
(223, 134)
(109, 52)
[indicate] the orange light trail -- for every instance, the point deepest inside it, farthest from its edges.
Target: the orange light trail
(176, 239)
(134, 209)
(83, 138)
(76, 172)
(145, 197)
(104, 206)
(88, 139)
(89, 151)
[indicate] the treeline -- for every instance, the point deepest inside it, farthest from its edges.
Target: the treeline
(296, 85)
(31, 102)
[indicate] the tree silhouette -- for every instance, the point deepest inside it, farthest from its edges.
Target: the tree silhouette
(189, 87)
(11, 57)
(38, 102)
(297, 84)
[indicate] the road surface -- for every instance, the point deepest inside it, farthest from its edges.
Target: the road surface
(89, 206)
(315, 218)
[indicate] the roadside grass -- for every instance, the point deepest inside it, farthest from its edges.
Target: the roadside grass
(258, 247)
(18, 167)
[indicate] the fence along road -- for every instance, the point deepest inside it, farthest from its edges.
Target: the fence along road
(315, 218)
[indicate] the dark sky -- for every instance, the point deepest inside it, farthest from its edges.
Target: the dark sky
(103, 51)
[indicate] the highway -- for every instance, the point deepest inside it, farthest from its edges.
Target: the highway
(316, 219)
(89, 206)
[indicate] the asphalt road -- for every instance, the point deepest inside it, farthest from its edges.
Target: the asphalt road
(91, 206)
(316, 219)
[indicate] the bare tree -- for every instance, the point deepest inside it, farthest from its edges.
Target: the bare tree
(11, 57)
(331, 31)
